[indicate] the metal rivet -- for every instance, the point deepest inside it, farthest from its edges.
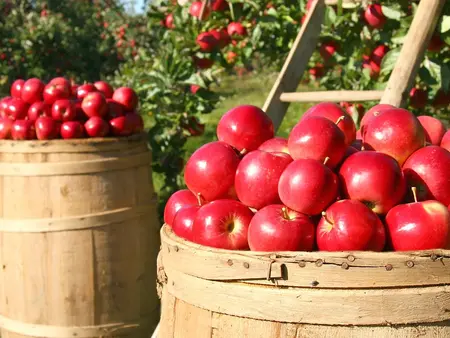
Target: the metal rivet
(351, 258)
(409, 264)
(273, 256)
(176, 248)
(319, 262)
(246, 265)
(314, 283)
(230, 262)
(345, 266)
(433, 257)
(301, 264)
(389, 267)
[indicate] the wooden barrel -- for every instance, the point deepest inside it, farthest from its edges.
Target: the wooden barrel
(219, 293)
(79, 237)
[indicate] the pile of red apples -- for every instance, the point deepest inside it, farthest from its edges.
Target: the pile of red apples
(61, 109)
(328, 186)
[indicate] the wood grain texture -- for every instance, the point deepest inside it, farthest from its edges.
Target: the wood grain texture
(81, 269)
(412, 52)
(333, 96)
(361, 304)
(296, 62)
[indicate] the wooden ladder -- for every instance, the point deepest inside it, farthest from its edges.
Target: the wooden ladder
(399, 84)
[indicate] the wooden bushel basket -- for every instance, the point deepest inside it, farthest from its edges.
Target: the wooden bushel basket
(208, 292)
(79, 237)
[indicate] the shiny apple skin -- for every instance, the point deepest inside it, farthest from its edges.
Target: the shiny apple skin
(184, 221)
(269, 230)
(334, 112)
(373, 178)
(179, 199)
(245, 127)
(434, 129)
(395, 132)
(419, 226)
(223, 224)
(428, 169)
(349, 225)
(257, 178)
(210, 171)
(445, 142)
(307, 186)
(275, 145)
(317, 138)
(372, 113)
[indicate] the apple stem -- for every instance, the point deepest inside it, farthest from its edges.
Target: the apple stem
(199, 199)
(341, 118)
(363, 148)
(326, 160)
(285, 213)
(414, 191)
(243, 152)
(324, 215)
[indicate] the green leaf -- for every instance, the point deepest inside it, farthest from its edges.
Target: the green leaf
(434, 69)
(391, 13)
(445, 75)
(389, 60)
(445, 24)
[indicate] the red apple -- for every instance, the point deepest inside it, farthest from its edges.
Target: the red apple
(61, 81)
(121, 126)
(184, 221)
(418, 98)
(219, 5)
(349, 225)
(17, 109)
(428, 169)
(373, 178)
(46, 128)
(245, 128)
(196, 10)
(16, 88)
(236, 29)
(72, 129)
(434, 129)
(207, 42)
(257, 177)
(64, 110)
(275, 145)
(317, 138)
(210, 171)
(222, 224)
(373, 67)
(23, 130)
(203, 63)
(436, 43)
(328, 49)
(114, 109)
(317, 71)
(5, 128)
(168, 21)
(374, 16)
(442, 99)
(349, 152)
(96, 127)
(39, 109)
(378, 54)
(32, 90)
(445, 142)
(396, 132)
(136, 122)
(179, 199)
(371, 113)
(105, 88)
(4, 106)
(419, 226)
(307, 186)
(54, 92)
(127, 97)
(85, 89)
(276, 228)
(94, 104)
(336, 114)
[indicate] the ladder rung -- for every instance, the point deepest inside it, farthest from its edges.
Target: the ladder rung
(333, 96)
